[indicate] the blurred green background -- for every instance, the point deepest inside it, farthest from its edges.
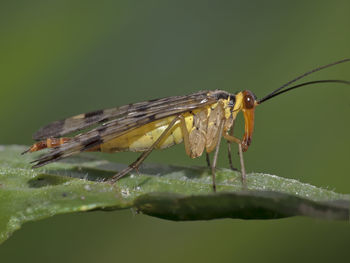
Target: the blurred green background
(60, 58)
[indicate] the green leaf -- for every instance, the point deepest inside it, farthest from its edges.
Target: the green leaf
(170, 192)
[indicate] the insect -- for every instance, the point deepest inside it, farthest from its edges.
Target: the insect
(199, 120)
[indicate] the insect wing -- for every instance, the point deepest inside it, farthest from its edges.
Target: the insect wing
(83, 121)
(135, 116)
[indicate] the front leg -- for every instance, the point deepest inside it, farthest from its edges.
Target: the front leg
(231, 138)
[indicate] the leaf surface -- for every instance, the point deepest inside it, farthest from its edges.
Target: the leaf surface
(165, 191)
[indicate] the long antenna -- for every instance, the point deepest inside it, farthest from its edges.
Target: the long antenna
(272, 94)
(304, 84)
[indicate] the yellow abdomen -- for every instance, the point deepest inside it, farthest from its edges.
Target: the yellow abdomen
(142, 138)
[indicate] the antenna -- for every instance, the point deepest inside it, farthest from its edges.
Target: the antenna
(279, 90)
(304, 84)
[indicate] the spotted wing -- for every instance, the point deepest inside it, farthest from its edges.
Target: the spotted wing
(129, 118)
(84, 121)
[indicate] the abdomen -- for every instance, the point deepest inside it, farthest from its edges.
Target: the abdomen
(142, 138)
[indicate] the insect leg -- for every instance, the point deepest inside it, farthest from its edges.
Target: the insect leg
(242, 164)
(229, 152)
(144, 155)
(208, 159)
(240, 151)
(221, 126)
(185, 135)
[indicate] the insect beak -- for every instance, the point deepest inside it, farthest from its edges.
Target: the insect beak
(248, 127)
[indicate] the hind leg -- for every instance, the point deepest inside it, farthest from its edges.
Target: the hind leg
(144, 155)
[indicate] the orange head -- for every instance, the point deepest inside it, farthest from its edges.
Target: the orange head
(248, 107)
(246, 102)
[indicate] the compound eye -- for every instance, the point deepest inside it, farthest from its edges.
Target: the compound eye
(249, 101)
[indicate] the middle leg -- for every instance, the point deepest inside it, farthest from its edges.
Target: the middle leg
(229, 150)
(207, 157)
(219, 134)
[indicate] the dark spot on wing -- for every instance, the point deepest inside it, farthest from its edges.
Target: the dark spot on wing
(141, 115)
(152, 100)
(93, 113)
(143, 108)
(103, 120)
(49, 130)
(102, 129)
(56, 155)
(97, 140)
